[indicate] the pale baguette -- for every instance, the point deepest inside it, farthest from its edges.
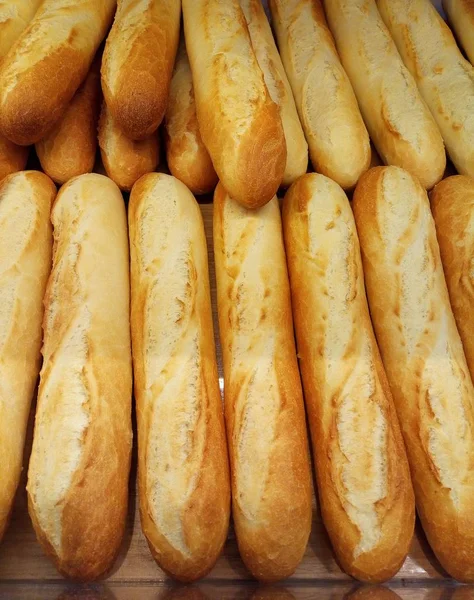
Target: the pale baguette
(125, 160)
(279, 88)
(42, 72)
(338, 140)
(138, 63)
(183, 466)
(79, 465)
(400, 125)
(444, 77)
(25, 262)
(15, 16)
(186, 154)
(364, 484)
(266, 430)
(423, 357)
(69, 149)
(461, 18)
(452, 204)
(240, 124)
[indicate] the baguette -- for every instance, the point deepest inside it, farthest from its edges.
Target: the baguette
(13, 158)
(69, 149)
(239, 123)
(452, 204)
(79, 465)
(266, 432)
(400, 125)
(42, 72)
(15, 15)
(125, 160)
(444, 77)
(423, 357)
(338, 140)
(461, 17)
(187, 157)
(25, 262)
(138, 63)
(279, 88)
(183, 467)
(362, 471)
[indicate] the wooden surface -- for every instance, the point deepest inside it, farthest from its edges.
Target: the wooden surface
(26, 573)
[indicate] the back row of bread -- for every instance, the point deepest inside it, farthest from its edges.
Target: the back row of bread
(235, 108)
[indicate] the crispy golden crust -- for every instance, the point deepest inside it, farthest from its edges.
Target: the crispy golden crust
(239, 123)
(15, 16)
(183, 465)
(187, 156)
(69, 149)
(423, 357)
(13, 158)
(452, 203)
(25, 262)
(362, 471)
(138, 63)
(79, 465)
(264, 410)
(42, 72)
(461, 18)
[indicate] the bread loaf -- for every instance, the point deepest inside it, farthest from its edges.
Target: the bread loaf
(187, 157)
(69, 149)
(15, 15)
(239, 123)
(452, 204)
(125, 160)
(338, 141)
(400, 125)
(79, 465)
(444, 77)
(423, 357)
(362, 471)
(461, 18)
(182, 456)
(25, 262)
(12, 157)
(279, 88)
(43, 70)
(266, 431)
(138, 63)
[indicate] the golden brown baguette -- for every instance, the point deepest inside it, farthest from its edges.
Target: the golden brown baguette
(49, 61)
(423, 357)
(125, 160)
(183, 467)
(15, 15)
(461, 18)
(444, 77)
(79, 465)
(266, 430)
(138, 63)
(239, 123)
(452, 204)
(25, 262)
(69, 149)
(279, 88)
(364, 484)
(338, 140)
(186, 154)
(400, 125)
(13, 158)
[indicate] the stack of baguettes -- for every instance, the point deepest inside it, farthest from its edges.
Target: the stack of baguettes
(382, 313)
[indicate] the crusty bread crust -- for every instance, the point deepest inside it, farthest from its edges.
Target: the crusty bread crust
(138, 63)
(423, 357)
(444, 77)
(266, 430)
(80, 460)
(240, 125)
(452, 204)
(25, 262)
(400, 125)
(49, 61)
(15, 15)
(183, 466)
(461, 18)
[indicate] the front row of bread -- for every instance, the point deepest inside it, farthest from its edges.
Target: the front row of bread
(79, 466)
